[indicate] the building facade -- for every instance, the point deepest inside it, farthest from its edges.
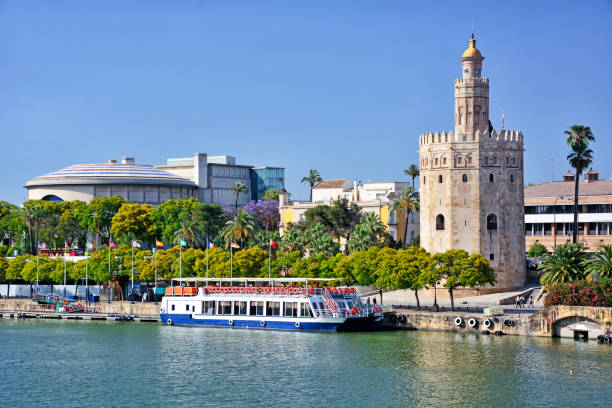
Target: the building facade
(207, 178)
(549, 212)
(472, 182)
(372, 197)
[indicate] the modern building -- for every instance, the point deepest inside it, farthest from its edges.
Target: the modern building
(207, 178)
(549, 212)
(472, 182)
(372, 197)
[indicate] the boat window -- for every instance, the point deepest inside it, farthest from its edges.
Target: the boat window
(173, 306)
(187, 307)
(291, 309)
(240, 308)
(193, 308)
(321, 305)
(306, 311)
(208, 307)
(224, 307)
(257, 308)
(273, 309)
(341, 304)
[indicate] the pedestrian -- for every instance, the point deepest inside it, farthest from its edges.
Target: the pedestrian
(530, 301)
(522, 302)
(517, 303)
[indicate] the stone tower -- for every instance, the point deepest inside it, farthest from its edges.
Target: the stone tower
(472, 182)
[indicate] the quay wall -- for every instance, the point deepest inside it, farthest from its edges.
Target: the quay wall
(118, 307)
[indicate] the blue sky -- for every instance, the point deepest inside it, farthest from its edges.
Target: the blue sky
(344, 87)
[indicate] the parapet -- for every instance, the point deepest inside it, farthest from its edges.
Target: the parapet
(504, 135)
(476, 80)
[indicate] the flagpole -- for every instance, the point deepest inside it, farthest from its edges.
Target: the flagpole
(231, 262)
(270, 259)
(65, 269)
(132, 274)
(109, 269)
(86, 277)
(37, 252)
(180, 260)
(207, 245)
(155, 275)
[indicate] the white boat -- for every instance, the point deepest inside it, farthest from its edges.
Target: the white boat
(302, 304)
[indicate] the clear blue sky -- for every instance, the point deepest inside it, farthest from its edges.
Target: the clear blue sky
(344, 87)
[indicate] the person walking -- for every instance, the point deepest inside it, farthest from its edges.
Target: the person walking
(517, 303)
(530, 301)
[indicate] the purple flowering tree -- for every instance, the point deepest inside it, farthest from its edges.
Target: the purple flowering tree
(265, 212)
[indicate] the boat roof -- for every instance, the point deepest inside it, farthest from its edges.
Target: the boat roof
(281, 280)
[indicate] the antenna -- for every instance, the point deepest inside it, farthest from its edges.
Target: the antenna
(552, 169)
(472, 29)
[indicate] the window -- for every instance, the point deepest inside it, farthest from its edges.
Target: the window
(464, 178)
(424, 180)
(490, 178)
(208, 307)
(186, 308)
(514, 160)
(492, 257)
(224, 307)
(273, 309)
(240, 308)
(512, 178)
(469, 159)
(494, 159)
(491, 222)
(439, 222)
(172, 307)
(439, 178)
(305, 312)
(290, 309)
(459, 160)
(486, 161)
(444, 161)
(257, 308)
(436, 161)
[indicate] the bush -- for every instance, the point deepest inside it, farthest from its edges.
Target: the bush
(596, 293)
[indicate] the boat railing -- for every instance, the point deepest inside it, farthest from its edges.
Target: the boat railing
(327, 293)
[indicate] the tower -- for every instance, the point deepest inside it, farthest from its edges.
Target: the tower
(472, 182)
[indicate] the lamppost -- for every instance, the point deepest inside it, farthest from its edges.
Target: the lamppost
(555, 222)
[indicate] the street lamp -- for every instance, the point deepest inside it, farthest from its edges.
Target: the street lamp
(555, 221)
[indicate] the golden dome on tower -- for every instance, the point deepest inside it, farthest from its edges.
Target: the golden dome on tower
(472, 51)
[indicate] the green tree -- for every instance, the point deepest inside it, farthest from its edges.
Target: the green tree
(564, 265)
(580, 157)
(344, 217)
(188, 233)
(407, 202)
(237, 189)
(167, 217)
(369, 232)
(70, 226)
(600, 264)
(3, 268)
(209, 219)
(11, 223)
(412, 171)
(537, 250)
(312, 180)
(239, 229)
(449, 266)
(271, 194)
(292, 241)
(133, 219)
(325, 246)
(33, 214)
(98, 216)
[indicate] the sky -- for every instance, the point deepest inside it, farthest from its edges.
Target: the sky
(344, 87)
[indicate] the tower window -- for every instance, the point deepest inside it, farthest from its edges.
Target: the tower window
(424, 180)
(464, 178)
(491, 222)
(494, 159)
(439, 222)
(486, 161)
(439, 178)
(444, 161)
(512, 178)
(491, 178)
(436, 162)
(514, 160)
(459, 160)
(492, 257)
(469, 159)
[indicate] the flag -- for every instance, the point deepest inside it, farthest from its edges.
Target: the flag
(135, 244)
(234, 245)
(273, 244)
(502, 118)
(42, 245)
(91, 246)
(211, 245)
(111, 244)
(159, 244)
(183, 243)
(66, 244)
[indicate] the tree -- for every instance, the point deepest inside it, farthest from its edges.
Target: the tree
(3, 267)
(70, 224)
(344, 217)
(11, 222)
(292, 241)
(600, 264)
(265, 212)
(319, 214)
(312, 180)
(537, 250)
(237, 189)
(188, 233)
(407, 202)
(99, 214)
(33, 213)
(412, 171)
(271, 194)
(167, 217)
(209, 219)
(580, 157)
(361, 239)
(325, 246)
(448, 266)
(239, 229)
(564, 265)
(133, 219)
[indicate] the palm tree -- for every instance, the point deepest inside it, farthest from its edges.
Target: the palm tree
(313, 179)
(565, 264)
(372, 223)
(33, 214)
(407, 202)
(292, 240)
(361, 239)
(240, 228)
(578, 139)
(600, 265)
(412, 171)
(189, 233)
(238, 188)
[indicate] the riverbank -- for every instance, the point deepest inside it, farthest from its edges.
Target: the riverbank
(148, 309)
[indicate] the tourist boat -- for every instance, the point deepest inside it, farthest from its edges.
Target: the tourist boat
(269, 304)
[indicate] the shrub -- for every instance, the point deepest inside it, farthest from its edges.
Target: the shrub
(596, 293)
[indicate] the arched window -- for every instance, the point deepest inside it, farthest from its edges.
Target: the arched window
(469, 159)
(459, 160)
(53, 198)
(440, 178)
(491, 222)
(444, 161)
(424, 181)
(514, 160)
(436, 162)
(494, 159)
(507, 160)
(490, 178)
(464, 178)
(512, 178)
(439, 222)
(486, 161)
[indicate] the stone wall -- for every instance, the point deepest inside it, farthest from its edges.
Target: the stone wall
(138, 308)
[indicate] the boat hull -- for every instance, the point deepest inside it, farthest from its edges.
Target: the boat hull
(240, 322)
(360, 324)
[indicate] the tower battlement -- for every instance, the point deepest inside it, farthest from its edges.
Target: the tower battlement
(472, 81)
(504, 135)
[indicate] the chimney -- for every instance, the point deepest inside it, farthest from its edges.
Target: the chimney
(283, 198)
(127, 160)
(591, 176)
(111, 161)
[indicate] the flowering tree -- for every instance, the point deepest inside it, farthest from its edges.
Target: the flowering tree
(265, 212)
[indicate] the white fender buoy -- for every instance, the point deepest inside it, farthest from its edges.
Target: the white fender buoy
(487, 323)
(458, 321)
(231, 322)
(298, 325)
(472, 322)
(262, 323)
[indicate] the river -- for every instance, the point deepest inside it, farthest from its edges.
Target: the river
(110, 364)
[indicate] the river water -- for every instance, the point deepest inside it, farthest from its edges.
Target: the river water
(108, 364)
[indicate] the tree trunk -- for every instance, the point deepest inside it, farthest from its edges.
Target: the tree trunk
(450, 292)
(575, 234)
(237, 203)
(413, 181)
(406, 228)
(416, 295)
(311, 186)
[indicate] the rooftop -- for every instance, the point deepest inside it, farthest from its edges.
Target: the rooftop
(331, 183)
(566, 189)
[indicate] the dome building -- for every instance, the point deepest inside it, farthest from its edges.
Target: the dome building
(137, 183)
